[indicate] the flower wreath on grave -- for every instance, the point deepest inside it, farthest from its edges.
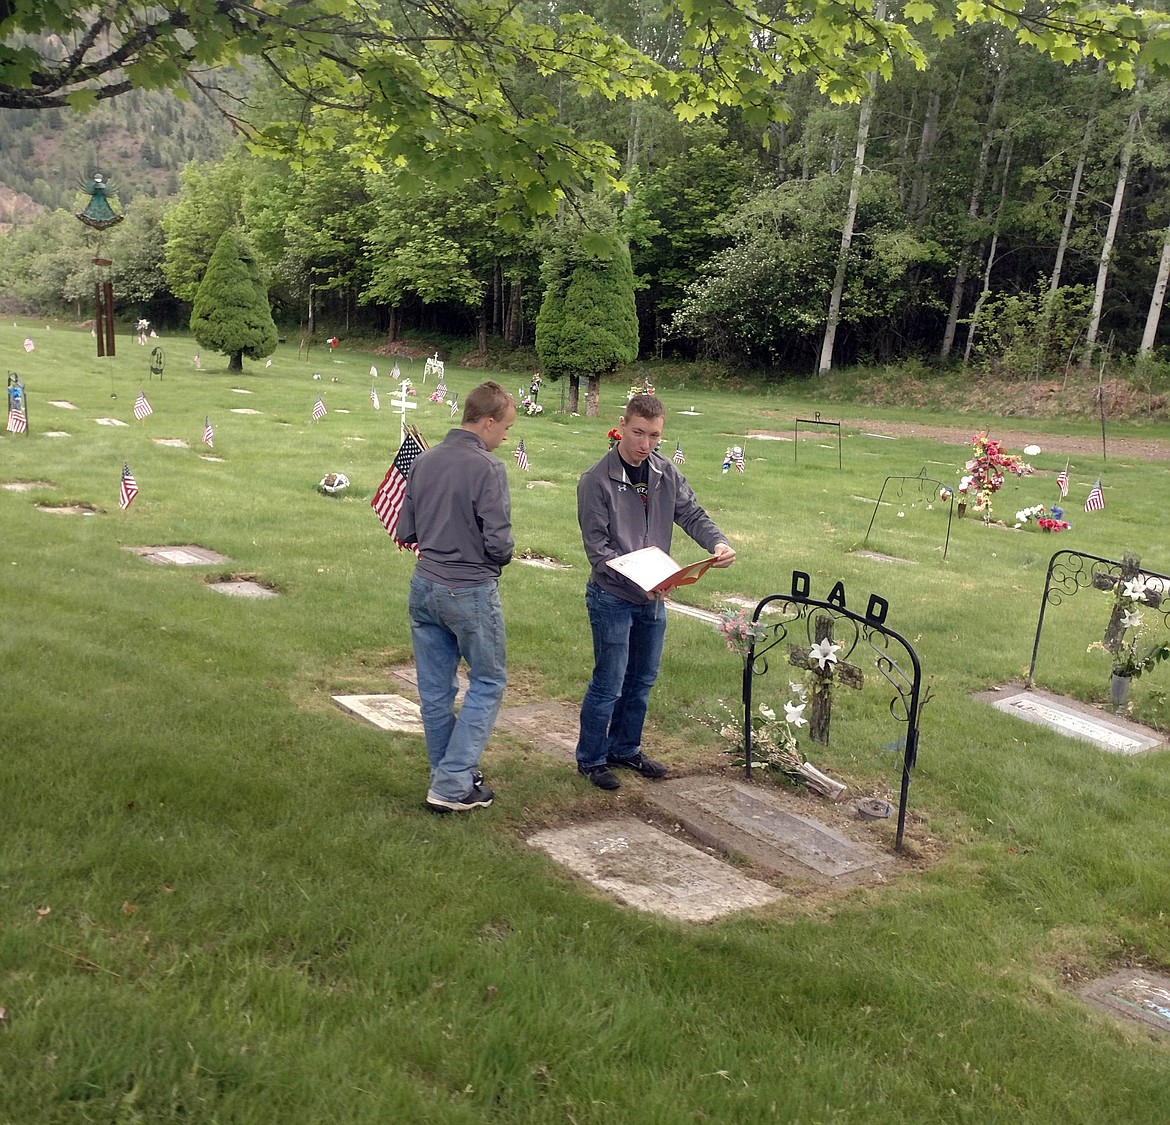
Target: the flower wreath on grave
(983, 474)
(1128, 660)
(333, 483)
(1046, 519)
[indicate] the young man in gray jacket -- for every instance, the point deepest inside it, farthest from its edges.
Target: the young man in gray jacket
(458, 511)
(632, 498)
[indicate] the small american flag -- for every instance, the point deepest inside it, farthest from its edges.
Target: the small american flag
(441, 389)
(522, 456)
(454, 406)
(141, 407)
(1062, 481)
(1096, 498)
(679, 457)
(374, 398)
(737, 457)
(387, 501)
(208, 435)
(395, 371)
(17, 422)
(129, 487)
(319, 410)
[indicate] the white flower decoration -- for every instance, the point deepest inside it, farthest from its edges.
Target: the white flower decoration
(796, 689)
(1131, 619)
(1134, 589)
(767, 711)
(824, 652)
(794, 714)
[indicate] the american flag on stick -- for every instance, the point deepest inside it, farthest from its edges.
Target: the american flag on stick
(319, 410)
(208, 435)
(141, 407)
(129, 487)
(522, 456)
(17, 421)
(1096, 498)
(454, 406)
(737, 457)
(1062, 481)
(374, 398)
(387, 501)
(679, 457)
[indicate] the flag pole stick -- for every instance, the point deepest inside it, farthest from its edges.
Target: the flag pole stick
(1101, 407)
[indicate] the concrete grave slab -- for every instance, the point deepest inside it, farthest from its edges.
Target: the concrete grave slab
(407, 675)
(1133, 995)
(769, 437)
(552, 726)
(61, 404)
(245, 410)
(180, 556)
(209, 457)
(55, 433)
(543, 562)
(693, 611)
(242, 588)
(884, 437)
(386, 712)
(754, 821)
(1076, 720)
(109, 422)
(877, 556)
(240, 391)
(652, 871)
(68, 509)
(173, 442)
(26, 485)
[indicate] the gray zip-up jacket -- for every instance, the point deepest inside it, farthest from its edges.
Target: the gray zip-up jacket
(457, 509)
(613, 521)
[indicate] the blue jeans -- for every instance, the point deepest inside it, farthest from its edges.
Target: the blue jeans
(627, 649)
(446, 623)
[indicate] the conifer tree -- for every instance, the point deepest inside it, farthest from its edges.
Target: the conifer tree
(231, 312)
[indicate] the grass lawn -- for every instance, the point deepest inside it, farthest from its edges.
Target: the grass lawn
(222, 899)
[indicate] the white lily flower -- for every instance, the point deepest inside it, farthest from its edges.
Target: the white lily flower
(767, 711)
(1131, 619)
(824, 652)
(796, 689)
(794, 714)
(1134, 589)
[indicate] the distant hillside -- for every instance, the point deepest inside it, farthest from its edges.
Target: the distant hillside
(139, 141)
(15, 207)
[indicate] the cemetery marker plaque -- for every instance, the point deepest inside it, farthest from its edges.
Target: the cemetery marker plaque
(1135, 995)
(1114, 734)
(386, 712)
(649, 870)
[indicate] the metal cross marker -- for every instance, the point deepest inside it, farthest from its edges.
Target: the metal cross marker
(835, 672)
(399, 405)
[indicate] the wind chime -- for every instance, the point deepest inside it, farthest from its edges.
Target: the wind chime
(99, 215)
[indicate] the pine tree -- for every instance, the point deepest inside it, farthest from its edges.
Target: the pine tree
(231, 313)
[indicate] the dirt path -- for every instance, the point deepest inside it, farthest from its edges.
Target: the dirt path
(1135, 448)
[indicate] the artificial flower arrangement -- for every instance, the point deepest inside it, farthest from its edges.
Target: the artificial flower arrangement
(984, 474)
(531, 406)
(1046, 519)
(1128, 660)
(645, 387)
(439, 394)
(408, 387)
(614, 435)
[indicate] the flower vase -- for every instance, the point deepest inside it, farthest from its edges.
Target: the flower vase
(1118, 689)
(962, 508)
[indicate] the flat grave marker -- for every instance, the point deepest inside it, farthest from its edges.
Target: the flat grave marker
(877, 556)
(756, 822)
(61, 404)
(245, 410)
(552, 726)
(695, 612)
(242, 588)
(173, 442)
(1108, 732)
(386, 712)
(109, 422)
(180, 556)
(55, 433)
(26, 485)
(407, 675)
(646, 868)
(1133, 994)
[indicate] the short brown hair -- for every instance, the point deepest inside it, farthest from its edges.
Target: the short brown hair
(645, 406)
(488, 400)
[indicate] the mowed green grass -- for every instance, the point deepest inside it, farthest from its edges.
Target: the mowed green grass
(221, 899)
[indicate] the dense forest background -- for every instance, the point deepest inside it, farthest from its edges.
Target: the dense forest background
(996, 208)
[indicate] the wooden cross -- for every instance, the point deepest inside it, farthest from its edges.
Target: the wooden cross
(838, 672)
(1129, 570)
(400, 406)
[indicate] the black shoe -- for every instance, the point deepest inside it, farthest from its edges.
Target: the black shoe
(639, 763)
(478, 797)
(601, 776)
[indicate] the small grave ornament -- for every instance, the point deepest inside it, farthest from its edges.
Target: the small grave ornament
(333, 483)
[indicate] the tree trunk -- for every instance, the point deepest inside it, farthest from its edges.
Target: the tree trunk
(481, 334)
(514, 318)
(920, 190)
(1111, 230)
(1158, 299)
(973, 327)
(973, 214)
(574, 393)
(392, 328)
(593, 396)
(236, 362)
(1074, 191)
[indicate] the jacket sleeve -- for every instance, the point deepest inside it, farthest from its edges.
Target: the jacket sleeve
(693, 519)
(494, 513)
(405, 532)
(594, 516)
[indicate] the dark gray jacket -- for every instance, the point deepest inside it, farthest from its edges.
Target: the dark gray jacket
(614, 523)
(457, 509)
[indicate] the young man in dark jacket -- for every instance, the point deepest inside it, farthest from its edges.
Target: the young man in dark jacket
(632, 498)
(458, 511)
